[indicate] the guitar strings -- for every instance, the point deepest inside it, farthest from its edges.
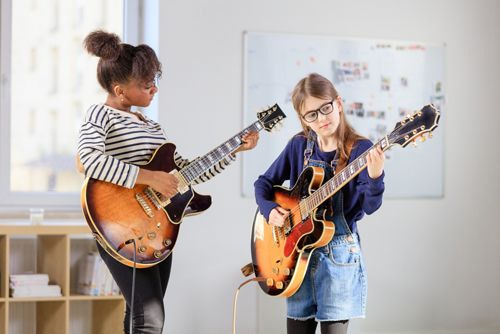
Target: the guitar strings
(200, 170)
(315, 196)
(193, 170)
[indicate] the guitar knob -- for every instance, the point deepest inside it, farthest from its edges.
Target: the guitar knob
(151, 235)
(142, 249)
(286, 271)
(279, 285)
(167, 242)
(157, 254)
(269, 282)
(276, 270)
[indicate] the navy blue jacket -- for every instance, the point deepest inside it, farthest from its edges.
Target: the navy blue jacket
(361, 195)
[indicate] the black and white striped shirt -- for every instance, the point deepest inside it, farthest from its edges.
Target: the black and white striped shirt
(113, 143)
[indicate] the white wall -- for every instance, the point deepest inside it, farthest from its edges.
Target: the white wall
(434, 265)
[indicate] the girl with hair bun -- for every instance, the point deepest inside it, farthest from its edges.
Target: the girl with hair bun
(114, 142)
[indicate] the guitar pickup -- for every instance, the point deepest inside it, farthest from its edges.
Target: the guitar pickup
(183, 184)
(154, 197)
(183, 189)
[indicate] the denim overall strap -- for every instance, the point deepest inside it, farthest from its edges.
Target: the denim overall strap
(337, 202)
(334, 286)
(311, 138)
(341, 227)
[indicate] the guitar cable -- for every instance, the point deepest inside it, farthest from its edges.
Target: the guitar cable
(235, 300)
(131, 320)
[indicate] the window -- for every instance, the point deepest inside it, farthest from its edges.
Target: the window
(47, 82)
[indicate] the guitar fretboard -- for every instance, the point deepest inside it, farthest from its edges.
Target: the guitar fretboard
(330, 187)
(199, 166)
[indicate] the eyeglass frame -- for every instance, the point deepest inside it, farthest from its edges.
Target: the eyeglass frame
(318, 111)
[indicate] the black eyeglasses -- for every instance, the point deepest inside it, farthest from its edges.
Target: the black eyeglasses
(150, 83)
(312, 115)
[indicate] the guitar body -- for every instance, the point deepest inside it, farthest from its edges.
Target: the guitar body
(117, 215)
(281, 254)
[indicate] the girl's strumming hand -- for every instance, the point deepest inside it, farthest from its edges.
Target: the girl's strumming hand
(163, 182)
(277, 216)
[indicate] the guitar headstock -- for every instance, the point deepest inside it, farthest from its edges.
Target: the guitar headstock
(271, 118)
(416, 125)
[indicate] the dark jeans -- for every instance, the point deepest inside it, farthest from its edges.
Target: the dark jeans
(150, 286)
(309, 326)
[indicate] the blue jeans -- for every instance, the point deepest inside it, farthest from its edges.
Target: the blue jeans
(150, 286)
(334, 287)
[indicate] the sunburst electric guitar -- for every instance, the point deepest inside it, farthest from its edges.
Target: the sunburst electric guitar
(280, 255)
(117, 215)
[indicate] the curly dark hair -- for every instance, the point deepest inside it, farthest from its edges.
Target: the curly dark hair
(121, 62)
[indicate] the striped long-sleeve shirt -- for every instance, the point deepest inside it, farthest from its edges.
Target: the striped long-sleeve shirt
(113, 144)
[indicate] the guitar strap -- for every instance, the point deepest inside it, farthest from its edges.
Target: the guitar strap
(337, 163)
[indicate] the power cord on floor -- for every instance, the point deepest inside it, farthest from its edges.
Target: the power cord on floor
(256, 279)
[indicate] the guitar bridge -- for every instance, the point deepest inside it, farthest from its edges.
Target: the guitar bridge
(142, 202)
(278, 234)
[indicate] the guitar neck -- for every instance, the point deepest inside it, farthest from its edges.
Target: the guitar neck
(201, 165)
(329, 188)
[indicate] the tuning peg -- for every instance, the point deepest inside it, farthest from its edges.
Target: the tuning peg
(430, 135)
(422, 138)
(415, 143)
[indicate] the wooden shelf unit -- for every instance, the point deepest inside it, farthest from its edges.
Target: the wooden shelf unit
(53, 257)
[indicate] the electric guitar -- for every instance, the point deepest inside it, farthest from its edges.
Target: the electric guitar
(280, 255)
(141, 222)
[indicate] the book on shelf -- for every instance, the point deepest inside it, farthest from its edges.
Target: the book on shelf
(32, 285)
(28, 279)
(94, 278)
(36, 291)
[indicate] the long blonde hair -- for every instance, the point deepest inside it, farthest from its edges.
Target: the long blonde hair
(320, 87)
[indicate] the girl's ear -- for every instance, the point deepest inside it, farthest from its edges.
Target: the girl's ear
(339, 103)
(117, 89)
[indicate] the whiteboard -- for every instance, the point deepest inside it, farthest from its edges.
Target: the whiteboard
(379, 81)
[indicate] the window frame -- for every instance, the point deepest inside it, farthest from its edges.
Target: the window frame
(14, 203)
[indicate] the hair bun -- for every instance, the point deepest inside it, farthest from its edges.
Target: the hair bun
(103, 44)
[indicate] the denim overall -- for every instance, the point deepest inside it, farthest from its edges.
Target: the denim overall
(334, 287)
